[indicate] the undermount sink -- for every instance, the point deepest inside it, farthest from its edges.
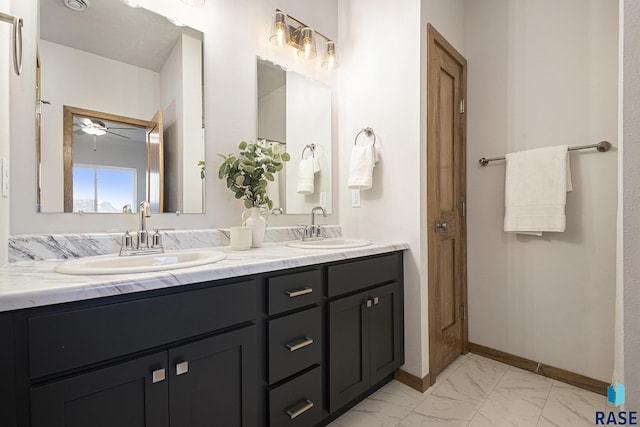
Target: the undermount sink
(333, 243)
(115, 264)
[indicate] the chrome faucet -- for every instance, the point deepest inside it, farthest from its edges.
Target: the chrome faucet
(144, 212)
(142, 241)
(314, 231)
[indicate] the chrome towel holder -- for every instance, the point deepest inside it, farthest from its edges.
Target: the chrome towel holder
(17, 40)
(601, 146)
(311, 147)
(368, 132)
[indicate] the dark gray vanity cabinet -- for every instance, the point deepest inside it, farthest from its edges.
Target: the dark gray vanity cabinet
(366, 337)
(178, 359)
(296, 347)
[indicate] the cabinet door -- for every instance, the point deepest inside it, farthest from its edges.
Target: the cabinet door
(214, 381)
(348, 349)
(122, 395)
(386, 337)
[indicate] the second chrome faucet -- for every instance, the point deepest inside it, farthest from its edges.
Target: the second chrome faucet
(314, 231)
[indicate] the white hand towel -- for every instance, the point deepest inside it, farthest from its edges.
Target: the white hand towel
(305, 176)
(363, 159)
(536, 185)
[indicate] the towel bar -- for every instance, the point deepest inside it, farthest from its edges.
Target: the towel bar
(601, 146)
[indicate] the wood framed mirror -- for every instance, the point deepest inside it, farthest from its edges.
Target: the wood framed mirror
(111, 161)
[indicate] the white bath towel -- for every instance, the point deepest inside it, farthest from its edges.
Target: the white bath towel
(306, 176)
(536, 185)
(363, 159)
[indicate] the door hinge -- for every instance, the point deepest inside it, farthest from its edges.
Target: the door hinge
(462, 312)
(463, 209)
(462, 106)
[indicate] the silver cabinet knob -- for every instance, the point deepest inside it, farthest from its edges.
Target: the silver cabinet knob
(182, 368)
(158, 375)
(441, 226)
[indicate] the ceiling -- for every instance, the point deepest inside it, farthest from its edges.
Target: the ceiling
(111, 29)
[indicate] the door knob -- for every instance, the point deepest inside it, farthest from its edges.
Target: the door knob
(441, 226)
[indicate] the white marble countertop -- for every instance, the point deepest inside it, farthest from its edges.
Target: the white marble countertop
(27, 284)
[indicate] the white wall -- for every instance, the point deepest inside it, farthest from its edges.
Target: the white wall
(230, 106)
(541, 73)
(631, 192)
(5, 70)
(84, 80)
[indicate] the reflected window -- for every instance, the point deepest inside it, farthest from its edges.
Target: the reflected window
(103, 188)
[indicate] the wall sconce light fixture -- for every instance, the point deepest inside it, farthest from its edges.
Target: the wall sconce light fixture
(301, 37)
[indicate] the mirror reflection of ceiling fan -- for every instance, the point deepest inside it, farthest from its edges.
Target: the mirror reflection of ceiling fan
(97, 128)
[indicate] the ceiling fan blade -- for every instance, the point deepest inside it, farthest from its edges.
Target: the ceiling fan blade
(117, 134)
(86, 121)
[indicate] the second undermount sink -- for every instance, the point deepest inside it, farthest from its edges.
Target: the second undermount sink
(333, 243)
(115, 264)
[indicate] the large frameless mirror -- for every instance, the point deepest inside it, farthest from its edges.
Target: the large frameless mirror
(120, 110)
(294, 111)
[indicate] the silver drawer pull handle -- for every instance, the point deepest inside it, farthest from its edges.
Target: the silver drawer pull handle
(182, 368)
(376, 300)
(306, 405)
(299, 292)
(158, 375)
(300, 344)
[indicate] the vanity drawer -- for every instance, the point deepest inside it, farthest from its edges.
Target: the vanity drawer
(355, 275)
(293, 291)
(297, 402)
(295, 343)
(71, 339)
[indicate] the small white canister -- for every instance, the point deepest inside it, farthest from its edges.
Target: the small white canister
(240, 238)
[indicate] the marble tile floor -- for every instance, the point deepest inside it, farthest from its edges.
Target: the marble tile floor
(478, 392)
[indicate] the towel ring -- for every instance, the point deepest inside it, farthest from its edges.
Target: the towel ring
(368, 132)
(311, 147)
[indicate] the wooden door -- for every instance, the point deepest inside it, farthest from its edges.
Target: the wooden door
(214, 381)
(155, 167)
(446, 76)
(123, 395)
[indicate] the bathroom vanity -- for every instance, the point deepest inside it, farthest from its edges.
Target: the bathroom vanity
(280, 337)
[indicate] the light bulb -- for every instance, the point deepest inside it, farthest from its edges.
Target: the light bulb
(308, 45)
(279, 35)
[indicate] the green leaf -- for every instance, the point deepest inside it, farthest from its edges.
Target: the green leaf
(286, 157)
(269, 176)
(239, 194)
(248, 168)
(248, 204)
(279, 167)
(242, 145)
(270, 204)
(221, 172)
(222, 155)
(276, 149)
(239, 180)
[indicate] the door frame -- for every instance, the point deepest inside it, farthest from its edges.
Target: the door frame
(434, 38)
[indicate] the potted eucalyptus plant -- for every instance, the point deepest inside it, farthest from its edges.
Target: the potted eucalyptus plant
(247, 175)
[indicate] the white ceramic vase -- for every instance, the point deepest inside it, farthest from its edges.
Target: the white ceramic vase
(256, 219)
